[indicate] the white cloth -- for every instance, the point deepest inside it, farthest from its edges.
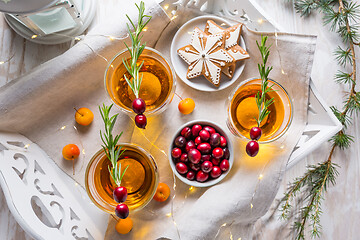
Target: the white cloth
(40, 103)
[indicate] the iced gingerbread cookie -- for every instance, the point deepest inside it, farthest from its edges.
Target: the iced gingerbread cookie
(232, 35)
(206, 55)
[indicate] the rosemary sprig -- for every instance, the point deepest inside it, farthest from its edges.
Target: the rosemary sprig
(343, 18)
(260, 97)
(136, 49)
(112, 150)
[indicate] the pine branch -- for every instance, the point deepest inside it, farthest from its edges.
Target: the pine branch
(342, 17)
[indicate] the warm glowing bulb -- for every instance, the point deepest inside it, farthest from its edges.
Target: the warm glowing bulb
(77, 39)
(251, 206)
(63, 127)
(145, 29)
(83, 151)
(282, 71)
(166, 7)
(191, 188)
(34, 36)
(111, 38)
(175, 16)
(2, 62)
(27, 146)
(261, 176)
(260, 20)
(168, 214)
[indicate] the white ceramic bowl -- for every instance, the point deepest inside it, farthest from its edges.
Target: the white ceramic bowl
(211, 182)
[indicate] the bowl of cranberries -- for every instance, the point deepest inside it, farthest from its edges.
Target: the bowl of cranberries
(201, 153)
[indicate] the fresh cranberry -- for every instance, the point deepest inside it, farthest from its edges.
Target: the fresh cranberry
(217, 153)
(195, 130)
(215, 172)
(215, 161)
(255, 133)
(204, 148)
(224, 165)
(122, 211)
(194, 156)
(198, 140)
(209, 129)
(206, 166)
(176, 153)
(226, 153)
(205, 157)
(190, 145)
(190, 175)
(120, 194)
(215, 140)
(181, 168)
(138, 106)
(252, 148)
(204, 135)
(223, 141)
(180, 141)
(195, 167)
(184, 157)
(186, 132)
(201, 176)
(140, 121)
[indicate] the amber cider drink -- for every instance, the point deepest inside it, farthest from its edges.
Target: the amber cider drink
(140, 179)
(243, 110)
(157, 86)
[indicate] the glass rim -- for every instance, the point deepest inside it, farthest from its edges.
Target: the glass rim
(172, 90)
(289, 121)
(95, 156)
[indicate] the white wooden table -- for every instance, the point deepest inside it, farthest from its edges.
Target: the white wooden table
(341, 207)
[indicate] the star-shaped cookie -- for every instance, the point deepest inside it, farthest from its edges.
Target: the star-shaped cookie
(206, 55)
(232, 35)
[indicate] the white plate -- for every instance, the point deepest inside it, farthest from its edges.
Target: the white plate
(182, 38)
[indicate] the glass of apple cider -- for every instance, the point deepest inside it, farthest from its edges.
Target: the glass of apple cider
(158, 81)
(140, 179)
(242, 111)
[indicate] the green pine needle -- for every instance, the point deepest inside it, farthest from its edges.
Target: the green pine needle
(112, 150)
(136, 49)
(260, 97)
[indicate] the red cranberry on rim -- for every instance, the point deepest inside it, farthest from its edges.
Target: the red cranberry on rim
(122, 211)
(120, 194)
(195, 130)
(204, 148)
(201, 176)
(215, 172)
(194, 156)
(206, 166)
(217, 153)
(180, 141)
(198, 140)
(204, 135)
(211, 130)
(140, 121)
(255, 133)
(190, 145)
(184, 157)
(224, 165)
(186, 132)
(252, 148)
(176, 153)
(190, 175)
(138, 106)
(181, 168)
(223, 141)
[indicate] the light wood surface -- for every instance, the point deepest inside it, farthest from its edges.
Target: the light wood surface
(341, 208)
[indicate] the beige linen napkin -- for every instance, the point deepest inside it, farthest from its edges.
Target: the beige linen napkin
(40, 104)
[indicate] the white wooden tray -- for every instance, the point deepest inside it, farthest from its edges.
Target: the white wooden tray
(48, 204)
